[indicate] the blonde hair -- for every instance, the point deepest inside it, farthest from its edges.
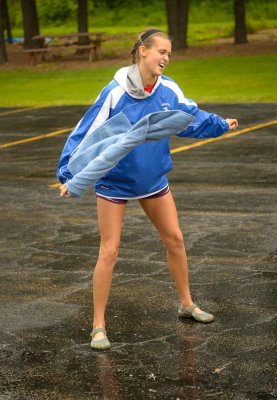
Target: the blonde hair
(146, 39)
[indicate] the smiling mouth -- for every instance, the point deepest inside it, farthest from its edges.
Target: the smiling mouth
(161, 66)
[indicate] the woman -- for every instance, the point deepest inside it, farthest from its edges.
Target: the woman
(138, 91)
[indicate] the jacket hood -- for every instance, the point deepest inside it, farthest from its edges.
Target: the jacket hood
(130, 81)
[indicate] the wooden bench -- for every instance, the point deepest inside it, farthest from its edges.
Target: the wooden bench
(64, 41)
(91, 49)
(36, 53)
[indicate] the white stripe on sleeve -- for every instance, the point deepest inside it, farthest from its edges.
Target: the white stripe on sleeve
(110, 102)
(175, 88)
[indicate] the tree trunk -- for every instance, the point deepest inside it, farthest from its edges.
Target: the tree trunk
(30, 24)
(177, 21)
(83, 20)
(7, 24)
(3, 53)
(240, 24)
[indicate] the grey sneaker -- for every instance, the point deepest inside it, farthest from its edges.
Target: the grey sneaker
(188, 313)
(101, 344)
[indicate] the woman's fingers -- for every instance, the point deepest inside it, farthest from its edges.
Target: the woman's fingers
(233, 123)
(64, 191)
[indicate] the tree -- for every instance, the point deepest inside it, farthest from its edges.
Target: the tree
(6, 19)
(177, 21)
(3, 53)
(30, 23)
(83, 20)
(240, 24)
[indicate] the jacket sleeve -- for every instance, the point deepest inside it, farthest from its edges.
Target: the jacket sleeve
(95, 116)
(205, 124)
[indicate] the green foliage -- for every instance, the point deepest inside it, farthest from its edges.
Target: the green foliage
(261, 10)
(210, 11)
(115, 13)
(130, 13)
(116, 4)
(15, 13)
(217, 79)
(56, 12)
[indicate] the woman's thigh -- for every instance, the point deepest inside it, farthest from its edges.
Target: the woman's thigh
(163, 214)
(110, 216)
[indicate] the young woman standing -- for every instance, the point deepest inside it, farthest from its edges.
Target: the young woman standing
(139, 90)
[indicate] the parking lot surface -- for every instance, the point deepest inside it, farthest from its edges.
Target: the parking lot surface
(226, 195)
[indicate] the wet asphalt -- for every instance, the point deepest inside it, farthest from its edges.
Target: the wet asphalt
(226, 197)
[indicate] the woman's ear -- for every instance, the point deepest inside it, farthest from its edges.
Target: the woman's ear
(142, 51)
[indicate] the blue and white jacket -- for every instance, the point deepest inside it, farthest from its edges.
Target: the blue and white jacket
(143, 170)
(112, 141)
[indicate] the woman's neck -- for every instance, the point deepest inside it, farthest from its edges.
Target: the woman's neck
(147, 79)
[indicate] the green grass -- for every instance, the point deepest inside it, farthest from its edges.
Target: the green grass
(199, 34)
(227, 79)
(151, 12)
(217, 79)
(33, 88)
(197, 31)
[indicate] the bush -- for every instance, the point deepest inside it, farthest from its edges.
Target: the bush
(56, 12)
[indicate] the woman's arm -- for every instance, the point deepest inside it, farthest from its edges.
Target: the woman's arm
(95, 115)
(205, 124)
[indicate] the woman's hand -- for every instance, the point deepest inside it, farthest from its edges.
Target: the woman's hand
(233, 123)
(64, 191)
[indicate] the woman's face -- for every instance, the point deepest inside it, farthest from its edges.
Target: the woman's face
(154, 59)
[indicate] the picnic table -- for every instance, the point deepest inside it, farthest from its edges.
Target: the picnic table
(48, 43)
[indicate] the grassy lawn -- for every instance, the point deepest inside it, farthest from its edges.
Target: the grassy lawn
(205, 79)
(197, 31)
(216, 79)
(227, 79)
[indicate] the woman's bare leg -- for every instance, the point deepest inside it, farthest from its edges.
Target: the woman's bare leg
(110, 216)
(162, 212)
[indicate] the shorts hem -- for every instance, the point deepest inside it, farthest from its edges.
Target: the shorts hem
(117, 200)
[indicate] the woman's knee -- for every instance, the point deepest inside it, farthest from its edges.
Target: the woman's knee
(109, 252)
(174, 240)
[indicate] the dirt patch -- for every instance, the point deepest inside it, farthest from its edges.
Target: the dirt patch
(262, 42)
